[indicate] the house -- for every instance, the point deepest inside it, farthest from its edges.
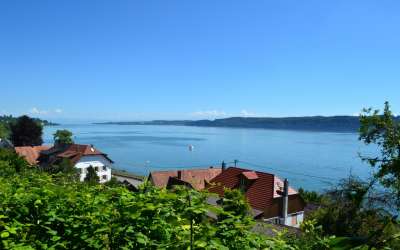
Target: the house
(31, 154)
(192, 178)
(81, 156)
(270, 198)
(5, 143)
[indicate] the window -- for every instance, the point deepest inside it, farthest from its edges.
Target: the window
(97, 169)
(104, 168)
(104, 177)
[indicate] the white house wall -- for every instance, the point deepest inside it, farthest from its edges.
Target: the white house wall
(299, 219)
(94, 161)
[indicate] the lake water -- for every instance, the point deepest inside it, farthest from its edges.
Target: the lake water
(312, 160)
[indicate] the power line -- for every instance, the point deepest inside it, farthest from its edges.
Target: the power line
(290, 172)
(163, 167)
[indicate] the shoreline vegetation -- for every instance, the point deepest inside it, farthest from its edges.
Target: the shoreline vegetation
(8, 119)
(306, 123)
(9, 122)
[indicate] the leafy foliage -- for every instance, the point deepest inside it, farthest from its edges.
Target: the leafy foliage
(42, 211)
(353, 211)
(4, 130)
(26, 132)
(91, 175)
(64, 166)
(383, 130)
(63, 136)
(311, 196)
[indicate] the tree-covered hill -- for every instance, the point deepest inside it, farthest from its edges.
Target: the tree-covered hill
(312, 123)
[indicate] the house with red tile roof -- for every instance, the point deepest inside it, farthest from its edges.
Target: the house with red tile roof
(193, 178)
(81, 156)
(31, 153)
(270, 198)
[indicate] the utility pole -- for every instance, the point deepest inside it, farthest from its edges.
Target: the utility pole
(191, 224)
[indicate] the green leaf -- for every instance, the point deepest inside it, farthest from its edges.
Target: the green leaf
(4, 235)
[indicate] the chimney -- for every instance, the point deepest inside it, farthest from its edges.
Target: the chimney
(180, 174)
(223, 166)
(285, 200)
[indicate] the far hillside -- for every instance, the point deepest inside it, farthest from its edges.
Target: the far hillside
(307, 123)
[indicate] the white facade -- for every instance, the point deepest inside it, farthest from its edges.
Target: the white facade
(100, 163)
(292, 220)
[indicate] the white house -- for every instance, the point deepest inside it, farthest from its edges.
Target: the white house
(82, 156)
(101, 164)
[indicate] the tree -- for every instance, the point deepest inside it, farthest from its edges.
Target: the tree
(91, 176)
(16, 162)
(311, 196)
(63, 137)
(64, 166)
(354, 210)
(383, 130)
(235, 203)
(26, 132)
(4, 130)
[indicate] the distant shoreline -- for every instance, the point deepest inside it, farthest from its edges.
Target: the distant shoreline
(310, 123)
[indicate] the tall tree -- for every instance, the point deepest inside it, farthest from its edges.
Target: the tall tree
(63, 137)
(383, 130)
(26, 132)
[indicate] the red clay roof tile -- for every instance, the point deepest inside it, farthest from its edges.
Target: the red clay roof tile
(250, 175)
(31, 154)
(74, 152)
(195, 177)
(259, 192)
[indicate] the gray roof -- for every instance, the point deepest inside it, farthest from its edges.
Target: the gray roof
(5, 143)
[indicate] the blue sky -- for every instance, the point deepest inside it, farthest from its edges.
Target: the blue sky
(139, 60)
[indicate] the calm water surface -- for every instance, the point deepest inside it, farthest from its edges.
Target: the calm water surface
(289, 154)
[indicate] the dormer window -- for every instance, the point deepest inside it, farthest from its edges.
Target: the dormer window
(250, 175)
(246, 178)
